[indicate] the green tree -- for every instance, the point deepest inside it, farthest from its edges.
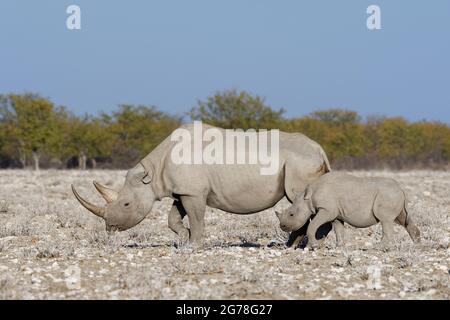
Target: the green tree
(84, 137)
(4, 154)
(29, 124)
(136, 130)
(339, 132)
(336, 117)
(237, 110)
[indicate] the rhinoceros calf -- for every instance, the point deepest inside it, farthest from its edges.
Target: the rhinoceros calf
(360, 202)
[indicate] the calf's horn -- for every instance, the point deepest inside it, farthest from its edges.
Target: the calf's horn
(108, 194)
(98, 211)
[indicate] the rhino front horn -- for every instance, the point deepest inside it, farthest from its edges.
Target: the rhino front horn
(108, 194)
(98, 211)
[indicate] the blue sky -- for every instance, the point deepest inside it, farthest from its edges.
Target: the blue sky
(300, 55)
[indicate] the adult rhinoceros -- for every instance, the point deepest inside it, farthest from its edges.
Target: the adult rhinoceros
(235, 188)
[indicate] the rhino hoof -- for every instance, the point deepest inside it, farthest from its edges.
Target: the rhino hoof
(312, 245)
(385, 246)
(183, 238)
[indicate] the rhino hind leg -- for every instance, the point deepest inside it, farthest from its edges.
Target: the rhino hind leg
(404, 220)
(413, 232)
(388, 233)
(339, 231)
(176, 215)
(385, 210)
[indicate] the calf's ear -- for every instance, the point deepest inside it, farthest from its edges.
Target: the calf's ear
(147, 178)
(308, 194)
(278, 213)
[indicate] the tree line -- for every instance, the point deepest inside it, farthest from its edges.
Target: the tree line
(34, 132)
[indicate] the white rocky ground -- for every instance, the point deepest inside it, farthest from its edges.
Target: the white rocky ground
(51, 247)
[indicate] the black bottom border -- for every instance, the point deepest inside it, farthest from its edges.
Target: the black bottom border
(220, 309)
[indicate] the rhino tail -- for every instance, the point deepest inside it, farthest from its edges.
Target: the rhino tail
(405, 220)
(326, 164)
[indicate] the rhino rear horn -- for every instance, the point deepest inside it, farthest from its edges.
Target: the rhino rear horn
(108, 194)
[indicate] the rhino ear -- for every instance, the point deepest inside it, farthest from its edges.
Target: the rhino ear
(278, 213)
(308, 194)
(147, 178)
(146, 175)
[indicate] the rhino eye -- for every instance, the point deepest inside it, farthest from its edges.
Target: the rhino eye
(127, 204)
(291, 214)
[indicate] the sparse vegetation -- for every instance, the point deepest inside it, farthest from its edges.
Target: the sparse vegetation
(41, 243)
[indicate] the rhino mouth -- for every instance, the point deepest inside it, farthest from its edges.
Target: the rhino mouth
(286, 228)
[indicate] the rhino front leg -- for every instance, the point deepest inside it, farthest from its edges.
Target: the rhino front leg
(176, 216)
(195, 208)
(321, 218)
(296, 237)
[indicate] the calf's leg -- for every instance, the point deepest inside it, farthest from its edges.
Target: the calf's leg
(388, 233)
(322, 217)
(385, 208)
(296, 237)
(413, 232)
(405, 220)
(339, 231)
